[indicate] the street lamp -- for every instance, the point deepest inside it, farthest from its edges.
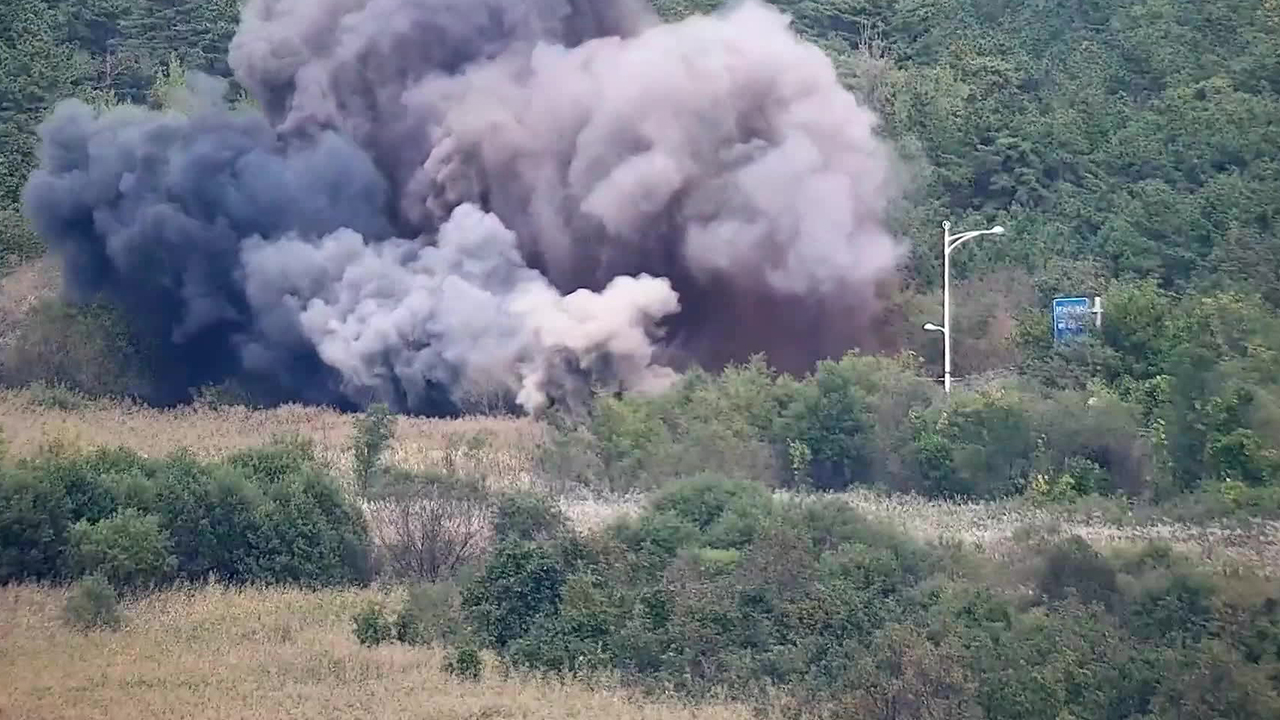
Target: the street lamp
(951, 242)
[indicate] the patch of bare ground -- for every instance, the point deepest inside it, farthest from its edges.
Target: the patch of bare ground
(218, 653)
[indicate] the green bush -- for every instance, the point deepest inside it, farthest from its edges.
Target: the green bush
(34, 517)
(56, 396)
(268, 514)
(1096, 439)
(373, 434)
(431, 613)
(92, 604)
(636, 442)
(129, 549)
(291, 527)
(831, 416)
(371, 626)
(1072, 568)
(843, 424)
(841, 614)
(980, 444)
(17, 242)
(519, 583)
(465, 663)
(704, 499)
(527, 516)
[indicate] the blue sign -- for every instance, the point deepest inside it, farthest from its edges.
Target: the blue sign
(1070, 318)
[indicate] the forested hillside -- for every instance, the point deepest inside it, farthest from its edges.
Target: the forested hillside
(1131, 139)
(1132, 148)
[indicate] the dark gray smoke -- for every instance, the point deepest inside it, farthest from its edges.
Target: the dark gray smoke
(442, 198)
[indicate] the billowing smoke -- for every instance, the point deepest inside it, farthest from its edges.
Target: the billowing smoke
(445, 198)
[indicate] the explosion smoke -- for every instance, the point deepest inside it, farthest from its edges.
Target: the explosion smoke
(444, 197)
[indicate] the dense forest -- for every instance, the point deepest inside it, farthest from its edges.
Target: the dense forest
(1131, 140)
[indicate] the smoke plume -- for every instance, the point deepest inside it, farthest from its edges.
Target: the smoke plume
(439, 199)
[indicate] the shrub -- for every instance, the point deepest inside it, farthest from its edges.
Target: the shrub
(1071, 567)
(266, 514)
(465, 663)
(528, 516)
(717, 588)
(640, 442)
(1095, 439)
(429, 527)
(408, 628)
(283, 457)
(129, 549)
(521, 582)
(34, 519)
(294, 527)
(989, 437)
(905, 674)
(55, 396)
(705, 498)
(92, 604)
(310, 533)
(577, 636)
(431, 613)
(831, 416)
(17, 241)
(82, 476)
(840, 425)
(373, 433)
(652, 539)
(371, 625)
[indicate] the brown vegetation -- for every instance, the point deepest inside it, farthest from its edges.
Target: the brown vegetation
(219, 653)
(504, 446)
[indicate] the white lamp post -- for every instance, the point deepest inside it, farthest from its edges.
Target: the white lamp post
(951, 242)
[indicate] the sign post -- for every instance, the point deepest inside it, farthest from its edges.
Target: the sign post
(1071, 318)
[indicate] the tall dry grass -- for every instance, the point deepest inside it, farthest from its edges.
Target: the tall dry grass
(997, 528)
(497, 447)
(221, 653)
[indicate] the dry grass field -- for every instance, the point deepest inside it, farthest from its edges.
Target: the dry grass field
(221, 653)
(210, 431)
(996, 527)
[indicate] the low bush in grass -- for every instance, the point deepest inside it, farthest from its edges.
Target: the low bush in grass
(267, 514)
(92, 604)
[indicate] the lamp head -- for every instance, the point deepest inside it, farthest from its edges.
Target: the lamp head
(932, 327)
(998, 230)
